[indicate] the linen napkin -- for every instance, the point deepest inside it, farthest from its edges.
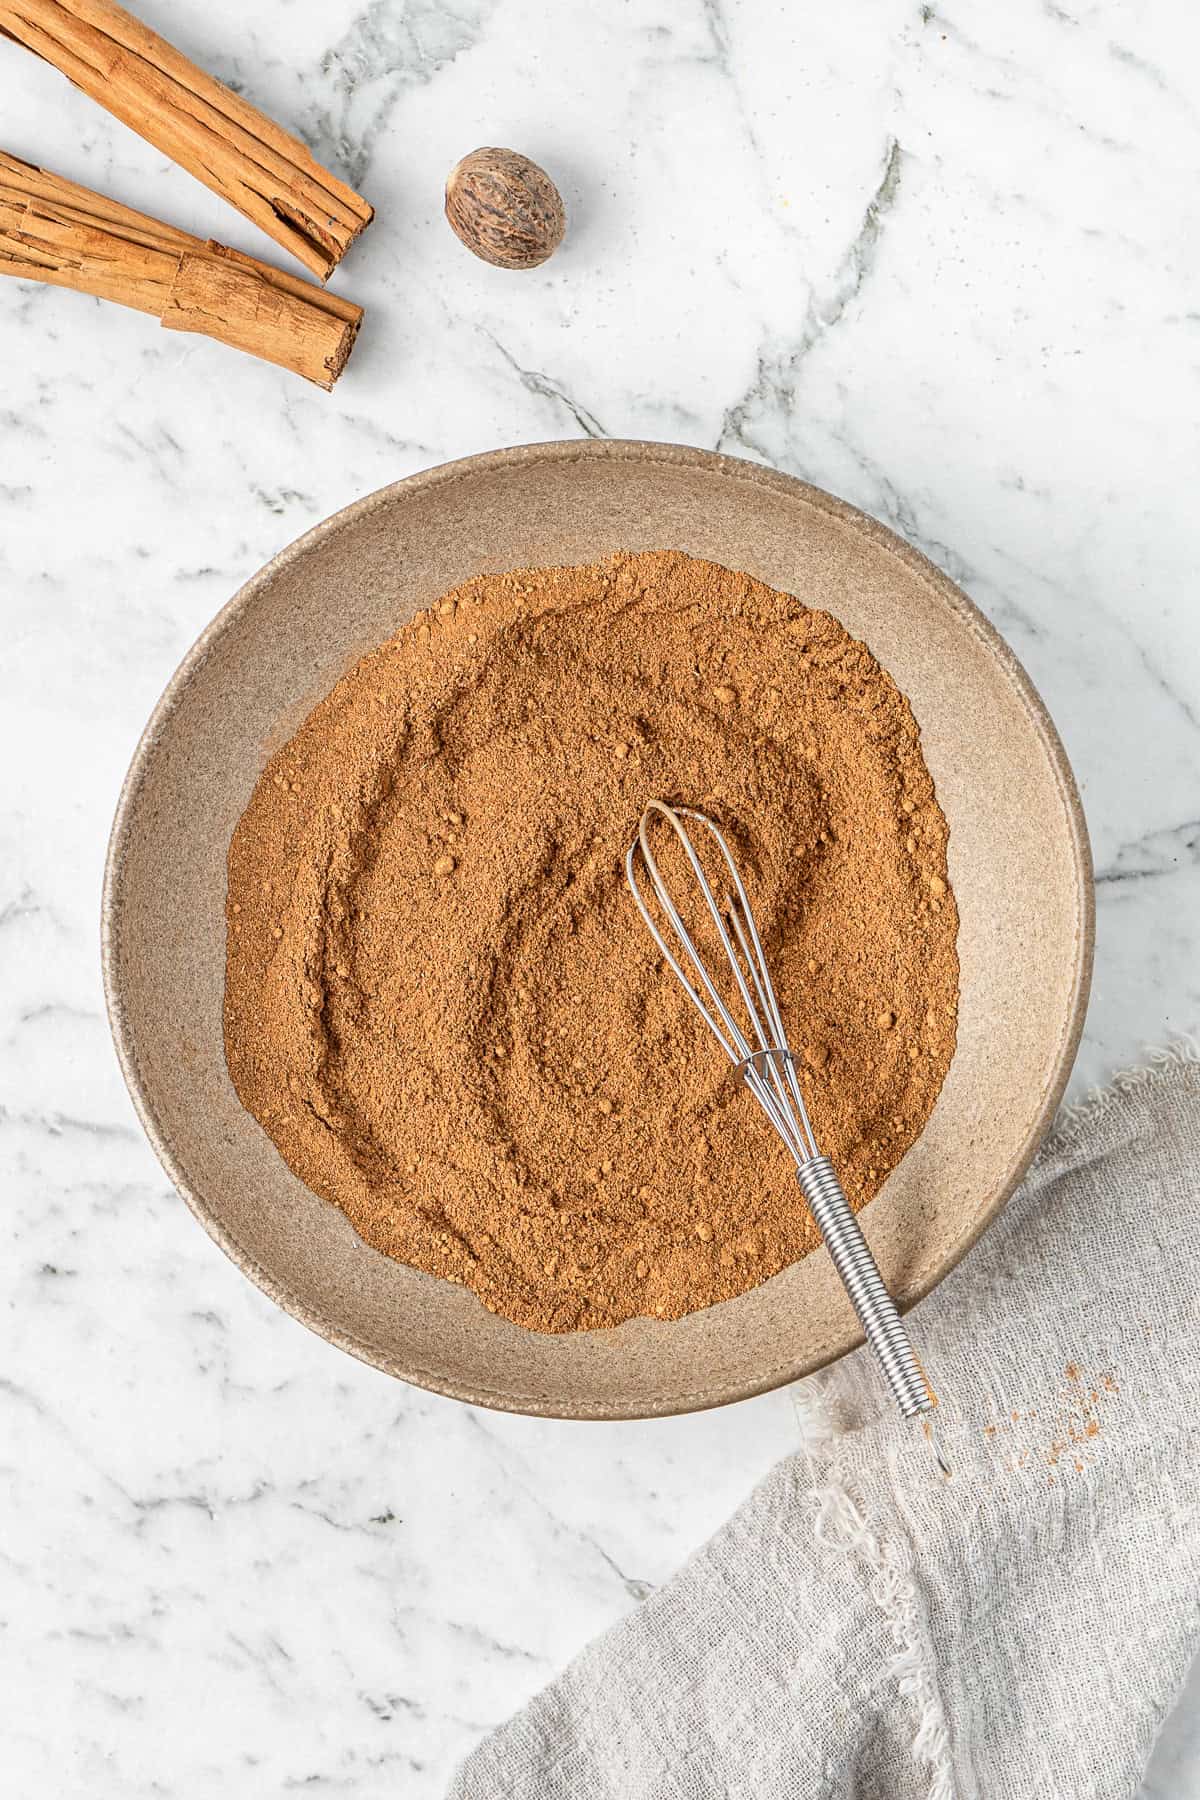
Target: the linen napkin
(862, 1627)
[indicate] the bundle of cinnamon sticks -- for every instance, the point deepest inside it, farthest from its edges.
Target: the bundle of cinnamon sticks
(55, 231)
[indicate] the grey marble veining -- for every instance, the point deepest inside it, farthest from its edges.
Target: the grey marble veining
(940, 259)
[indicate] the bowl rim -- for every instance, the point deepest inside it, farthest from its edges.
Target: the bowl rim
(482, 464)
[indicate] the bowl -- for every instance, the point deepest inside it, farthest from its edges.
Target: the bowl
(1019, 863)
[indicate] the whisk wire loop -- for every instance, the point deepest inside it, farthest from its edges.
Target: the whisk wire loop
(778, 1055)
(777, 1090)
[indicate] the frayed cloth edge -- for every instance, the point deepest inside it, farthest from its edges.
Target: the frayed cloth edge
(841, 1527)
(1077, 1115)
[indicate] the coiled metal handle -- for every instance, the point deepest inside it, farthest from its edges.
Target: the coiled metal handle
(860, 1276)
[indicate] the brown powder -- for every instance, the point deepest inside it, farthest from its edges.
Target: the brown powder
(1073, 1418)
(441, 1003)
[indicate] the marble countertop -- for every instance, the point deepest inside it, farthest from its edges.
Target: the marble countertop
(940, 259)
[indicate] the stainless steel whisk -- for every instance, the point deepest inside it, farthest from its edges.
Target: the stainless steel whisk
(757, 1047)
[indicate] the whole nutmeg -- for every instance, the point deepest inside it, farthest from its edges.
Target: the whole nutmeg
(505, 209)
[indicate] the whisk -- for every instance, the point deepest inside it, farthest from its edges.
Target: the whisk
(753, 1038)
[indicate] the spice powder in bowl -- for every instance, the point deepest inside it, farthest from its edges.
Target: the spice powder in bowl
(440, 1001)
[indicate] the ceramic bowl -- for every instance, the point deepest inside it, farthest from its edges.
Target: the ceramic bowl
(1018, 856)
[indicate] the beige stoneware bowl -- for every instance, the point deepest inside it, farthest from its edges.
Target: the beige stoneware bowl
(1018, 859)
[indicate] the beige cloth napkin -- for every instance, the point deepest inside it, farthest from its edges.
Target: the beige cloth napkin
(861, 1628)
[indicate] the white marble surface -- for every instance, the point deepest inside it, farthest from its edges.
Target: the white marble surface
(942, 260)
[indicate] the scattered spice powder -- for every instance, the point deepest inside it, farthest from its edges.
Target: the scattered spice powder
(448, 1015)
(1076, 1420)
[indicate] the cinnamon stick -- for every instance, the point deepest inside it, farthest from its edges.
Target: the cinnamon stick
(217, 136)
(53, 231)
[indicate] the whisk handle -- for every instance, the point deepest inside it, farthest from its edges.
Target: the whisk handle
(860, 1276)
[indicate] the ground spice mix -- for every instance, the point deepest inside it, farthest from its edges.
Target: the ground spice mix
(441, 1003)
